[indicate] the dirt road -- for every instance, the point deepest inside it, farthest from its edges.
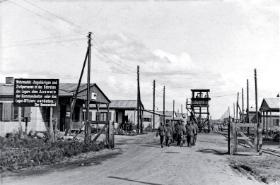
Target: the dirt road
(140, 160)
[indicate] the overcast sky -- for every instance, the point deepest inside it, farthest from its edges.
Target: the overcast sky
(211, 44)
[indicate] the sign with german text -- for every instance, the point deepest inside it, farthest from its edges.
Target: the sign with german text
(36, 92)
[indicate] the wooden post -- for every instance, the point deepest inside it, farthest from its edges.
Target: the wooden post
(163, 105)
(242, 117)
(173, 112)
(248, 108)
(234, 112)
(266, 122)
(110, 133)
(237, 104)
(138, 102)
(229, 122)
(258, 134)
(19, 122)
(87, 126)
(154, 102)
(51, 125)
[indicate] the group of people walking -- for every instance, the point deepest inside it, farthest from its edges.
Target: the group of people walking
(179, 133)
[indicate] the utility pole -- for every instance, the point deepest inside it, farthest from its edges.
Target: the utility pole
(237, 105)
(154, 102)
(173, 112)
(233, 112)
(259, 129)
(248, 109)
(229, 131)
(163, 105)
(138, 102)
(87, 126)
(182, 109)
(242, 117)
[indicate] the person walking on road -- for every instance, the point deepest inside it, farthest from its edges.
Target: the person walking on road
(180, 133)
(161, 133)
(168, 134)
(195, 127)
(190, 133)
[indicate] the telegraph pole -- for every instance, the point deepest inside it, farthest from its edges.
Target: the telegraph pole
(163, 105)
(247, 117)
(237, 104)
(257, 113)
(138, 102)
(242, 106)
(233, 112)
(173, 111)
(229, 130)
(87, 126)
(154, 102)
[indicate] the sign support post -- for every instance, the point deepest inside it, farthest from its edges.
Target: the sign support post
(19, 122)
(51, 125)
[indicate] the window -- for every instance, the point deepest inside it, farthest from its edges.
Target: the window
(102, 116)
(7, 111)
(1, 111)
(15, 113)
(76, 116)
(147, 119)
(276, 122)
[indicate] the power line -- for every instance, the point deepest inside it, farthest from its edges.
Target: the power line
(43, 43)
(54, 15)
(46, 38)
(220, 96)
(44, 17)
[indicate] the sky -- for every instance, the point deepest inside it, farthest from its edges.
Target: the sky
(211, 44)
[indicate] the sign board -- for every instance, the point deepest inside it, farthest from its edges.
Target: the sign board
(36, 92)
(93, 96)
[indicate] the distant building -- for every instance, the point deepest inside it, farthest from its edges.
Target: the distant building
(121, 111)
(270, 111)
(148, 118)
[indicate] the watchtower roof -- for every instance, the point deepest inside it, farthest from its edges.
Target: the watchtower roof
(200, 90)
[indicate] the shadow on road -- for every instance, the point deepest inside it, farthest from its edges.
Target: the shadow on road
(172, 152)
(127, 179)
(213, 151)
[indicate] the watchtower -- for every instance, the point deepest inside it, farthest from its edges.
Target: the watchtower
(199, 108)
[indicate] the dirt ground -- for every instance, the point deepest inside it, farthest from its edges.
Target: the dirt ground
(140, 160)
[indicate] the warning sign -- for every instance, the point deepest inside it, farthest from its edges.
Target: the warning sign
(36, 92)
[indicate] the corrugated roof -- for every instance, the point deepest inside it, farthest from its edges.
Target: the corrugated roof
(273, 103)
(65, 89)
(124, 104)
(270, 104)
(7, 90)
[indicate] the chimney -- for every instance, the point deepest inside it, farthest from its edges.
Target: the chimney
(9, 80)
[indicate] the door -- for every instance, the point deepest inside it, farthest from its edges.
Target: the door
(62, 120)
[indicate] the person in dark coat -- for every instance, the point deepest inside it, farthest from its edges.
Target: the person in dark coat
(168, 134)
(180, 133)
(190, 133)
(195, 127)
(161, 133)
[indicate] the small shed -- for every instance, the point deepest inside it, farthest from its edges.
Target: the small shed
(270, 111)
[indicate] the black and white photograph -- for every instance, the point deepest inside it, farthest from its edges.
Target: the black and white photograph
(139, 92)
